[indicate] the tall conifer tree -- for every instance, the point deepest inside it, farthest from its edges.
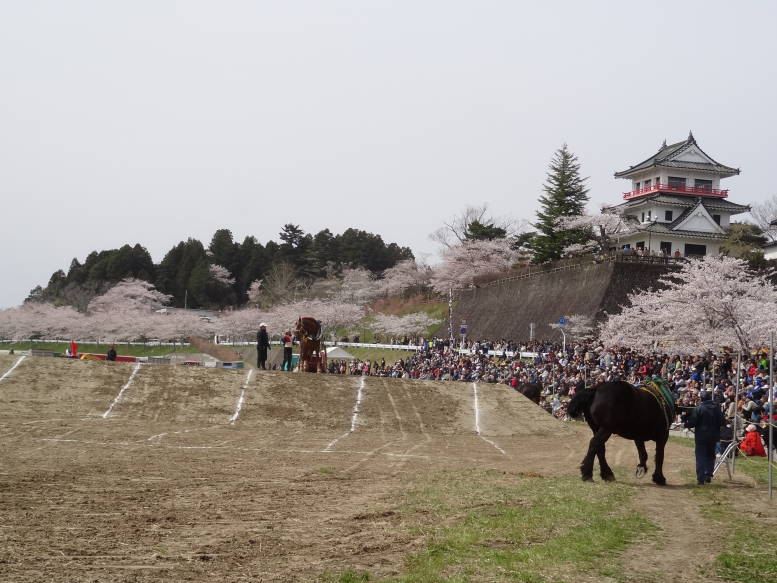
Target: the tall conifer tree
(565, 195)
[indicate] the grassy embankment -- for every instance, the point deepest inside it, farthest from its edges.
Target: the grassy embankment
(744, 558)
(497, 526)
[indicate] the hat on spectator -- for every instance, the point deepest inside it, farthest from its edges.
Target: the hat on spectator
(263, 325)
(705, 395)
(750, 427)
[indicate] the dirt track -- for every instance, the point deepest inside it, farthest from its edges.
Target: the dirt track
(182, 479)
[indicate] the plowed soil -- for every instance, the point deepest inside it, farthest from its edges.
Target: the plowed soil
(120, 472)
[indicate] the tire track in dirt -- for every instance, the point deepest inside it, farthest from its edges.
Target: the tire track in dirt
(399, 465)
(676, 554)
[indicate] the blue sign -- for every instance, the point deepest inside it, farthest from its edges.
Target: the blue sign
(463, 328)
(562, 321)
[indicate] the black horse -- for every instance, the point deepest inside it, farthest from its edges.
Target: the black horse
(532, 391)
(641, 414)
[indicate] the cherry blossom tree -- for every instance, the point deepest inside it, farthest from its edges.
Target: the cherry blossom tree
(220, 274)
(409, 324)
(332, 313)
(404, 275)
(358, 285)
(130, 295)
(577, 326)
(710, 303)
(764, 214)
(463, 263)
(255, 292)
(126, 312)
(42, 320)
(244, 323)
(601, 230)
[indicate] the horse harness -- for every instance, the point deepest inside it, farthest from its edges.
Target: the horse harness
(663, 397)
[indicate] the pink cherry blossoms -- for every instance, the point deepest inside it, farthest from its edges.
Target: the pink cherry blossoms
(710, 303)
(463, 263)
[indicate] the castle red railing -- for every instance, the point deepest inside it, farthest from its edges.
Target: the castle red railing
(695, 190)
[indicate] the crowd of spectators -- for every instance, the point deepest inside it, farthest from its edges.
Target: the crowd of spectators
(560, 370)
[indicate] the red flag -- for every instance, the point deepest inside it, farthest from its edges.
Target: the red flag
(73, 349)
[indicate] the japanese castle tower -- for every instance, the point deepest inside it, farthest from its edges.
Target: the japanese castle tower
(677, 202)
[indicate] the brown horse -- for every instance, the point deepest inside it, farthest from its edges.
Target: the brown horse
(311, 357)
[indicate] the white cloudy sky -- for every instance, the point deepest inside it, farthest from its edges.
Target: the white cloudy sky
(154, 121)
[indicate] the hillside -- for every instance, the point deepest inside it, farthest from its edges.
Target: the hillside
(120, 472)
(505, 309)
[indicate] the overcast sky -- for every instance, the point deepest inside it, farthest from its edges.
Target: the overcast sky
(153, 121)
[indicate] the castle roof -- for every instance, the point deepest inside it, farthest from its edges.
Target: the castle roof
(686, 155)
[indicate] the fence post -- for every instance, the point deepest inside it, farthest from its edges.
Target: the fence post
(771, 409)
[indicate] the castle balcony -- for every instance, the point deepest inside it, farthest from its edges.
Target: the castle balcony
(676, 189)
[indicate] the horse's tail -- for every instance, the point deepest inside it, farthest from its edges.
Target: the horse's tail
(580, 402)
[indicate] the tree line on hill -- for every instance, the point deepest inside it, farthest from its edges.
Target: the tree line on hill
(221, 274)
(474, 244)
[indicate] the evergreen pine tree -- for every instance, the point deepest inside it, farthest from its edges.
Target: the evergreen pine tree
(565, 195)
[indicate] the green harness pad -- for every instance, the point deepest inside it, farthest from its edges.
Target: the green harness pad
(656, 387)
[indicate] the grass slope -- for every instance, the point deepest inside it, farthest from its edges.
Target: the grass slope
(497, 526)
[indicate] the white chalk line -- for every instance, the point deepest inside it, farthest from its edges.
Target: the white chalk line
(477, 420)
(121, 392)
(369, 454)
(161, 435)
(354, 416)
(10, 370)
(240, 401)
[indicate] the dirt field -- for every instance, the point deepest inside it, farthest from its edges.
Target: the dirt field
(121, 472)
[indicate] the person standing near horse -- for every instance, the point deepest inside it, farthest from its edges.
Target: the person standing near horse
(706, 419)
(288, 345)
(262, 346)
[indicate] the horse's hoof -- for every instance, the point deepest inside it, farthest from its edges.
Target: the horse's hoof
(640, 473)
(659, 480)
(609, 478)
(588, 478)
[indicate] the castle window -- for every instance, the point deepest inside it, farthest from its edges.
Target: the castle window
(703, 184)
(668, 215)
(647, 183)
(643, 218)
(636, 186)
(716, 218)
(676, 183)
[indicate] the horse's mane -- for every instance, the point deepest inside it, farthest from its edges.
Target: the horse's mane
(310, 327)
